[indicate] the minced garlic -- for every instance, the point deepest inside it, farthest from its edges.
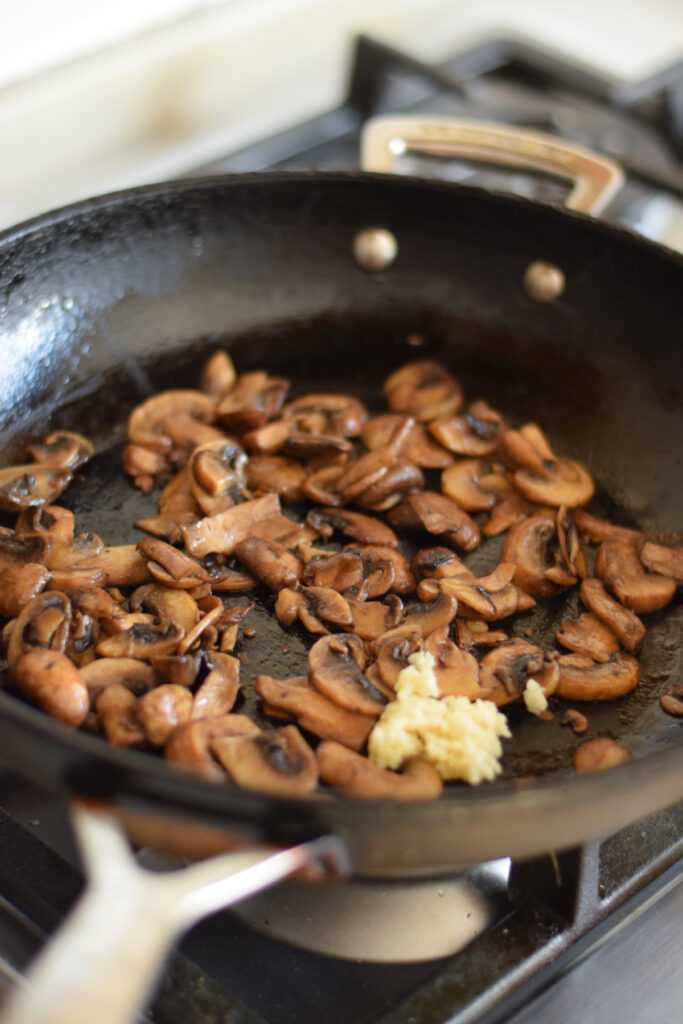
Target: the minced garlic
(534, 697)
(461, 738)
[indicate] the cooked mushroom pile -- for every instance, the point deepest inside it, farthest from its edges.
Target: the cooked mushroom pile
(136, 641)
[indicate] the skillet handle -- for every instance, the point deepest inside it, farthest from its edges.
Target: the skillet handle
(596, 179)
(102, 964)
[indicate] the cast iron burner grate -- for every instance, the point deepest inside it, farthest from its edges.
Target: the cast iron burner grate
(226, 970)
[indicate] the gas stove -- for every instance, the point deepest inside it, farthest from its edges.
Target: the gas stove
(591, 932)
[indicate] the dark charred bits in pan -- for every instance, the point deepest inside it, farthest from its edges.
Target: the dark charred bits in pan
(276, 661)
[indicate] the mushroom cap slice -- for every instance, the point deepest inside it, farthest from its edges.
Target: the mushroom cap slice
(456, 671)
(423, 389)
(466, 483)
(527, 546)
(418, 447)
(589, 636)
(43, 622)
(624, 623)
(323, 413)
(346, 770)
(189, 744)
(62, 449)
(34, 484)
(475, 433)
(19, 584)
(661, 559)
(569, 485)
(315, 712)
(137, 676)
(162, 709)
(277, 475)
(505, 671)
(362, 528)
(584, 679)
(220, 534)
(337, 665)
(145, 423)
(439, 515)
(278, 762)
(618, 564)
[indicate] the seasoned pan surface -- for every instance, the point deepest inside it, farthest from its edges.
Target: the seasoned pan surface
(106, 303)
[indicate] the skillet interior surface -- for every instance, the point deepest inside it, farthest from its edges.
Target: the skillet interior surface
(104, 304)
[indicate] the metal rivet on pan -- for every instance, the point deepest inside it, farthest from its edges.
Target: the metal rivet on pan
(375, 249)
(544, 282)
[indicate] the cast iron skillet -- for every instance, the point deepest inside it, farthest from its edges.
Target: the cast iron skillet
(112, 299)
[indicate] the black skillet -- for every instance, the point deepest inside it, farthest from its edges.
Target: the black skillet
(112, 299)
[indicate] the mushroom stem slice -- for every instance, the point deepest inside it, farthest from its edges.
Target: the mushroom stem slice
(358, 776)
(623, 623)
(271, 563)
(221, 533)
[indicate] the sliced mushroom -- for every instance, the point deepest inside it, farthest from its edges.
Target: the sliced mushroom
(314, 712)
(279, 762)
(54, 683)
(456, 671)
(167, 604)
(43, 622)
(321, 485)
(137, 676)
(582, 678)
(174, 567)
(402, 478)
(544, 477)
(328, 605)
(437, 514)
(417, 446)
(62, 449)
(337, 665)
(22, 486)
(473, 483)
(622, 622)
(161, 710)
(145, 424)
(596, 755)
(189, 744)
(339, 571)
(21, 549)
(393, 649)
(476, 433)
(254, 399)
(217, 694)
(220, 534)
(180, 669)
(505, 671)
(372, 619)
(217, 475)
(487, 598)
(589, 636)
(141, 641)
(570, 544)
(597, 529)
(660, 559)
(277, 475)
(177, 507)
(362, 528)
(618, 565)
(270, 563)
(511, 508)
(432, 614)
(116, 706)
(376, 558)
(223, 578)
(346, 770)
(528, 546)
(218, 375)
(423, 389)
(321, 413)
(50, 521)
(19, 584)
(188, 433)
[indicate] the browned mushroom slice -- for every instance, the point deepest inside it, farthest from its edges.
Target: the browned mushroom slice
(137, 676)
(474, 633)
(328, 605)
(432, 614)
(278, 762)
(597, 529)
(254, 399)
(393, 649)
(672, 702)
(582, 678)
(362, 528)
(220, 533)
(116, 706)
(217, 694)
(376, 557)
(624, 623)
(122, 565)
(418, 447)
(141, 641)
(177, 506)
(281, 530)
(512, 508)
(474, 484)
(475, 433)
(176, 568)
(62, 449)
(437, 563)
(372, 619)
(528, 546)
(402, 478)
(54, 683)
(423, 389)
(180, 669)
(315, 712)
(596, 755)
(166, 604)
(204, 631)
(271, 563)
(218, 375)
(589, 636)
(217, 474)
(46, 520)
(456, 671)
(161, 710)
(186, 432)
(337, 665)
(144, 464)
(544, 477)
(19, 584)
(43, 622)
(618, 564)
(478, 600)
(570, 544)
(22, 486)
(21, 549)
(323, 413)
(145, 424)
(346, 770)
(188, 744)
(277, 475)
(661, 559)
(224, 578)
(321, 485)
(437, 514)
(505, 671)
(339, 571)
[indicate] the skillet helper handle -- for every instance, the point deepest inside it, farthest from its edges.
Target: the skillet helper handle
(596, 179)
(104, 961)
